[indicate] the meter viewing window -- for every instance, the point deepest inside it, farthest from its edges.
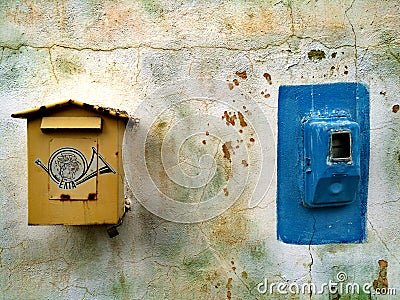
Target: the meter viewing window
(340, 146)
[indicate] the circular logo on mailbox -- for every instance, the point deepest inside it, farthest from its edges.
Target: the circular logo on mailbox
(67, 166)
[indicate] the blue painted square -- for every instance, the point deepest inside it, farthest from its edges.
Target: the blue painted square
(323, 160)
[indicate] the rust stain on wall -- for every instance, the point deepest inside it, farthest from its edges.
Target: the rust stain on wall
(268, 78)
(226, 152)
(382, 282)
(235, 82)
(241, 119)
(244, 163)
(230, 119)
(242, 75)
(229, 287)
(230, 230)
(226, 192)
(229, 295)
(233, 266)
(395, 108)
(265, 94)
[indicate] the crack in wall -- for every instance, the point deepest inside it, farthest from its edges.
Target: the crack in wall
(1, 258)
(137, 66)
(149, 283)
(11, 157)
(396, 57)
(86, 289)
(311, 256)
(177, 49)
(382, 241)
(2, 55)
(363, 56)
(249, 288)
(194, 47)
(391, 201)
(355, 39)
(289, 4)
(248, 56)
(247, 50)
(385, 126)
(52, 66)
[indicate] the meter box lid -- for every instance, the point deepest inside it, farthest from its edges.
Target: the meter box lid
(75, 173)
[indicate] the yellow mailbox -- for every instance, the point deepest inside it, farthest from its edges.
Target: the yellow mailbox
(75, 172)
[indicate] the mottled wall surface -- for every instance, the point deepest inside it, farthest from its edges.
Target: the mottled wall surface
(116, 54)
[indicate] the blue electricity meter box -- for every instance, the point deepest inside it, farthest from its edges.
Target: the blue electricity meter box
(331, 160)
(323, 163)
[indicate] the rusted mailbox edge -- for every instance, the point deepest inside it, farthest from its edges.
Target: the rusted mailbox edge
(39, 111)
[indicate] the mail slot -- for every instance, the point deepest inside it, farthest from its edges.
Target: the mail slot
(75, 173)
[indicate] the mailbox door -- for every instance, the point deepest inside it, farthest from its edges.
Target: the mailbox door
(73, 168)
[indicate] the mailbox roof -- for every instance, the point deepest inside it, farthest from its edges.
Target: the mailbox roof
(39, 111)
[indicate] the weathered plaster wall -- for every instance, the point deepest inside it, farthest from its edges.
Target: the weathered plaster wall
(116, 53)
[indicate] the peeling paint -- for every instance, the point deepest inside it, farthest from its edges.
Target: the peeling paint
(316, 54)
